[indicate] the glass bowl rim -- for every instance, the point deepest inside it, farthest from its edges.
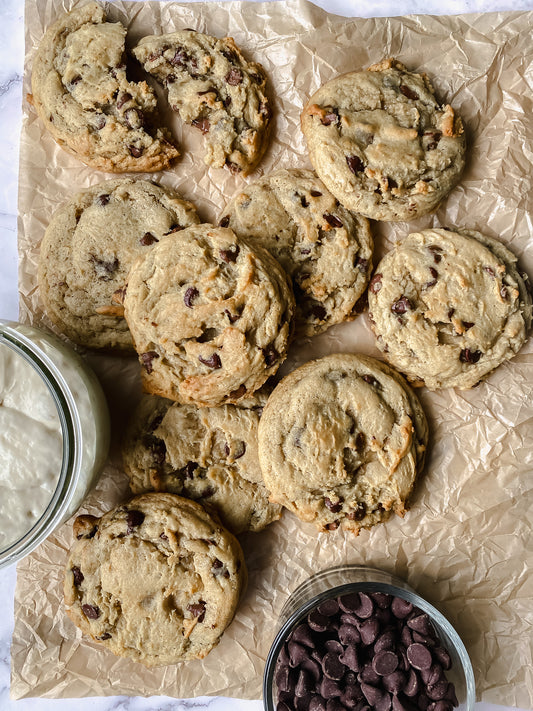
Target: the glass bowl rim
(403, 590)
(68, 415)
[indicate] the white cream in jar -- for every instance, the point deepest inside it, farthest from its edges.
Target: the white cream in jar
(31, 446)
(54, 436)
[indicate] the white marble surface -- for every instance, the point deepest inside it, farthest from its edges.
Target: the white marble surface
(11, 68)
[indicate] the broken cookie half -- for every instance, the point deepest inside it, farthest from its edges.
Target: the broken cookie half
(84, 99)
(212, 86)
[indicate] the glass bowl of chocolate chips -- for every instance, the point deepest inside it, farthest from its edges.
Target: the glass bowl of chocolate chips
(354, 638)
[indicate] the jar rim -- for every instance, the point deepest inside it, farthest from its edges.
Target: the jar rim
(70, 423)
(401, 589)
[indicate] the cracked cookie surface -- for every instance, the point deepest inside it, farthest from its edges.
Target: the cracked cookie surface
(156, 580)
(85, 101)
(207, 454)
(210, 318)
(449, 307)
(89, 247)
(382, 144)
(341, 441)
(324, 248)
(214, 88)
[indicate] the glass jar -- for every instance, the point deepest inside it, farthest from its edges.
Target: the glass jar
(346, 579)
(55, 437)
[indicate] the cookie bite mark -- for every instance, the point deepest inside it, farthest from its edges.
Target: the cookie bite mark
(82, 95)
(215, 89)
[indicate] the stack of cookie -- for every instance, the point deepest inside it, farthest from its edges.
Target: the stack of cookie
(212, 312)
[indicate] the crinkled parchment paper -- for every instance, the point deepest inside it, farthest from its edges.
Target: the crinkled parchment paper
(466, 543)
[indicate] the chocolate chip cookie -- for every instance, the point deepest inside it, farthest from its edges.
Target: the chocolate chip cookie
(207, 454)
(341, 441)
(381, 142)
(214, 88)
(211, 318)
(449, 307)
(85, 101)
(89, 247)
(156, 580)
(324, 248)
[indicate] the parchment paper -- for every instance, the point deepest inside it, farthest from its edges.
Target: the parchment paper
(466, 543)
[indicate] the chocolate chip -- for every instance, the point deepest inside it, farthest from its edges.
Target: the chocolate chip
(304, 635)
(212, 362)
(382, 600)
(451, 313)
(394, 682)
(317, 622)
(234, 77)
(133, 520)
(297, 653)
(328, 607)
(233, 168)
(315, 193)
(371, 381)
(436, 252)
(99, 121)
(329, 688)
(92, 612)
(421, 624)
(163, 536)
(123, 99)
(379, 699)
(197, 609)
(78, 576)
(147, 239)
(104, 636)
(375, 283)
(385, 641)
(434, 273)
(224, 222)
(104, 268)
(442, 656)
(270, 355)
(319, 312)
(333, 526)
(135, 151)
(190, 295)
(361, 264)
(384, 662)
(355, 164)
(358, 513)
(202, 124)
(305, 684)
(157, 448)
(349, 657)
(232, 317)
(419, 656)
(134, 118)
(467, 325)
(468, 356)
(430, 139)
(369, 631)
(349, 634)
(412, 685)
(188, 470)
(401, 608)
(180, 58)
(490, 271)
(147, 359)
(333, 506)
(238, 393)
(230, 254)
(401, 306)
(409, 93)
(332, 220)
